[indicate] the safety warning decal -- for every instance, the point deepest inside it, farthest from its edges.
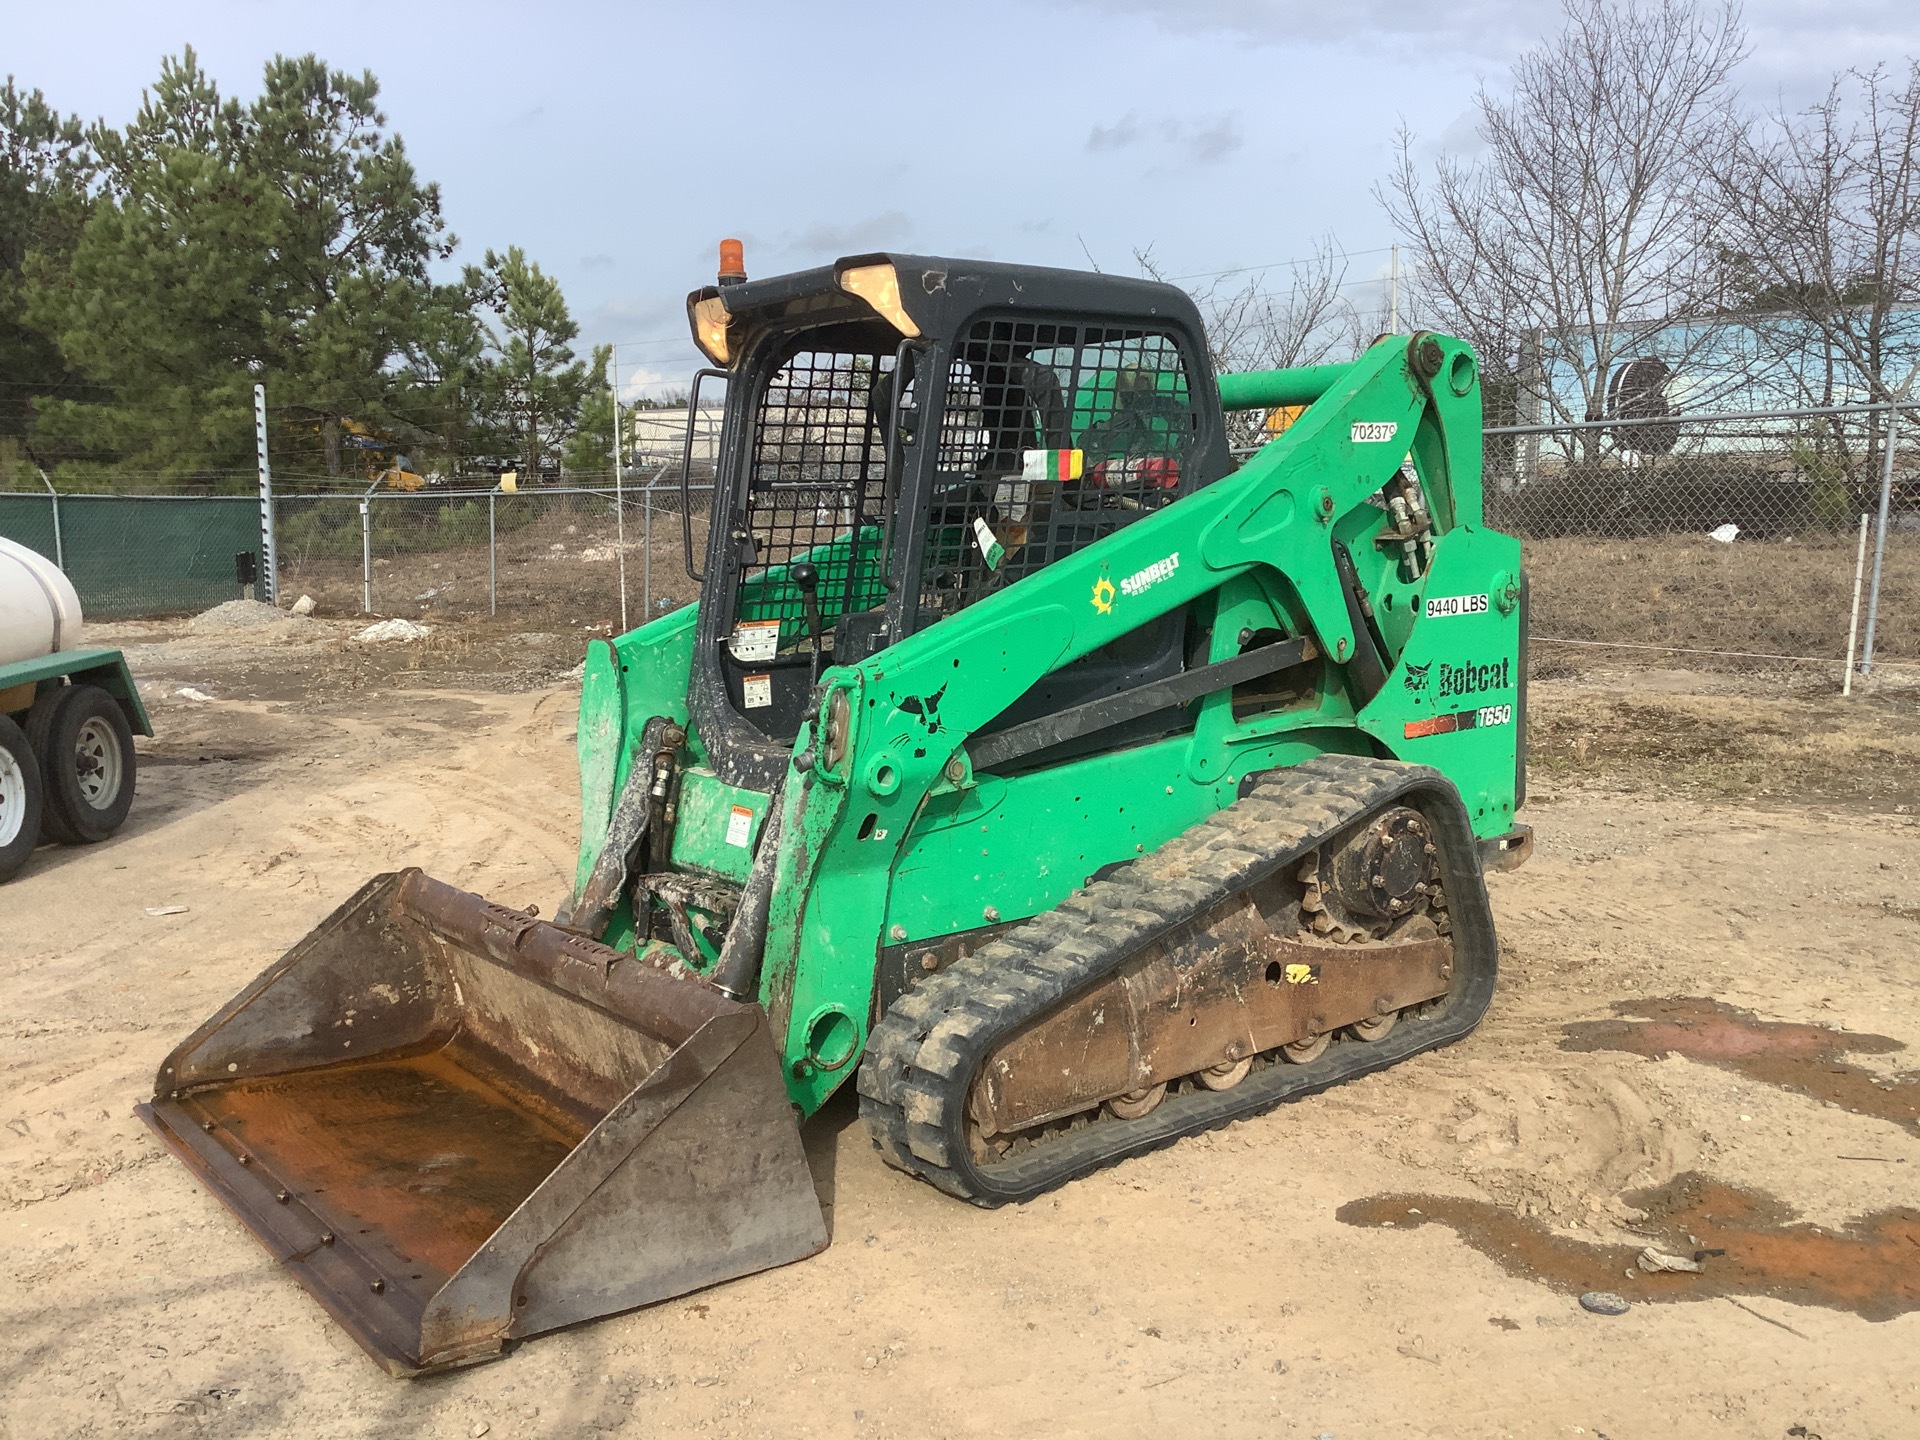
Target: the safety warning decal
(1303, 974)
(1480, 719)
(756, 691)
(740, 826)
(755, 640)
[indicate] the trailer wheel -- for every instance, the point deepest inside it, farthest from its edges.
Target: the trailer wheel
(88, 766)
(20, 799)
(38, 722)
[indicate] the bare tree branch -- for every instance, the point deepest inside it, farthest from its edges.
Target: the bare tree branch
(1253, 324)
(1823, 233)
(1585, 225)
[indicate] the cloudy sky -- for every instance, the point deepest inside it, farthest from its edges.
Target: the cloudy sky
(618, 143)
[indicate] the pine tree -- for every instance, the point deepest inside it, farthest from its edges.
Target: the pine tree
(45, 170)
(285, 242)
(536, 384)
(589, 449)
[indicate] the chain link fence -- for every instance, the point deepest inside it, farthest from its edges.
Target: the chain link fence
(1718, 540)
(131, 556)
(545, 558)
(1729, 540)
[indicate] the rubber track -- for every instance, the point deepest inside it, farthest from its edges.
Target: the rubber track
(923, 1055)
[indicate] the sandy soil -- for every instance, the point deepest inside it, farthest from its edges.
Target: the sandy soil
(1209, 1288)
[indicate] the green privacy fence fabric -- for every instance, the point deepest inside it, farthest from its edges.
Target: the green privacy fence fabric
(131, 556)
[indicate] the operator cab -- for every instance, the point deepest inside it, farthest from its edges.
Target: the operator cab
(904, 436)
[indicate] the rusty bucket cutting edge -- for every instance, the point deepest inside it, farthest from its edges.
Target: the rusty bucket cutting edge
(458, 1126)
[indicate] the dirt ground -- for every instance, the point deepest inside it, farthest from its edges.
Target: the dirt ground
(1735, 839)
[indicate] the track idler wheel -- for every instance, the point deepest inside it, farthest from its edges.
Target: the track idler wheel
(1136, 1104)
(1305, 1052)
(1374, 1027)
(1226, 1075)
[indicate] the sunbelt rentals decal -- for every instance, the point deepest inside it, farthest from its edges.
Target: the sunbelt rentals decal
(1145, 579)
(1134, 584)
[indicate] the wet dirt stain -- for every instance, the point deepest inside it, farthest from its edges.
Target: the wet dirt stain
(1870, 1267)
(1807, 1059)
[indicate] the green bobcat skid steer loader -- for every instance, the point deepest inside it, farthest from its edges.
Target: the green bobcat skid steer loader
(1062, 785)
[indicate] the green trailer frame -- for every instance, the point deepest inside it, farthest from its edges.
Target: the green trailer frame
(105, 668)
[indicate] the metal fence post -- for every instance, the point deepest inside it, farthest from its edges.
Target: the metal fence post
(619, 507)
(493, 593)
(366, 554)
(1853, 624)
(1880, 536)
(269, 556)
(646, 548)
(53, 495)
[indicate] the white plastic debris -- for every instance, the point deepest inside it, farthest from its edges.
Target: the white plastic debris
(303, 606)
(187, 692)
(1725, 533)
(1655, 1261)
(392, 632)
(428, 593)
(166, 909)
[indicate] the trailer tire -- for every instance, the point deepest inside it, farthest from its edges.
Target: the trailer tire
(38, 722)
(88, 766)
(21, 799)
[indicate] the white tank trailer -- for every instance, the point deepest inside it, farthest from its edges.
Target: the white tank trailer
(67, 717)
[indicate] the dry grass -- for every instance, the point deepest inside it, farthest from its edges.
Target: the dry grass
(1764, 745)
(559, 571)
(1770, 597)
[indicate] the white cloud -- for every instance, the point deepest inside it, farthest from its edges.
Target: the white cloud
(1198, 141)
(1793, 40)
(1488, 27)
(1213, 141)
(1120, 135)
(1461, 137)
(825, 238)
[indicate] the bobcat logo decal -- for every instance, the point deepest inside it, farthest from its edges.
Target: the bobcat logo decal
(1417, 677)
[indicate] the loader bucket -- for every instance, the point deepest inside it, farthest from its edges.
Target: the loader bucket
(457, 1126)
